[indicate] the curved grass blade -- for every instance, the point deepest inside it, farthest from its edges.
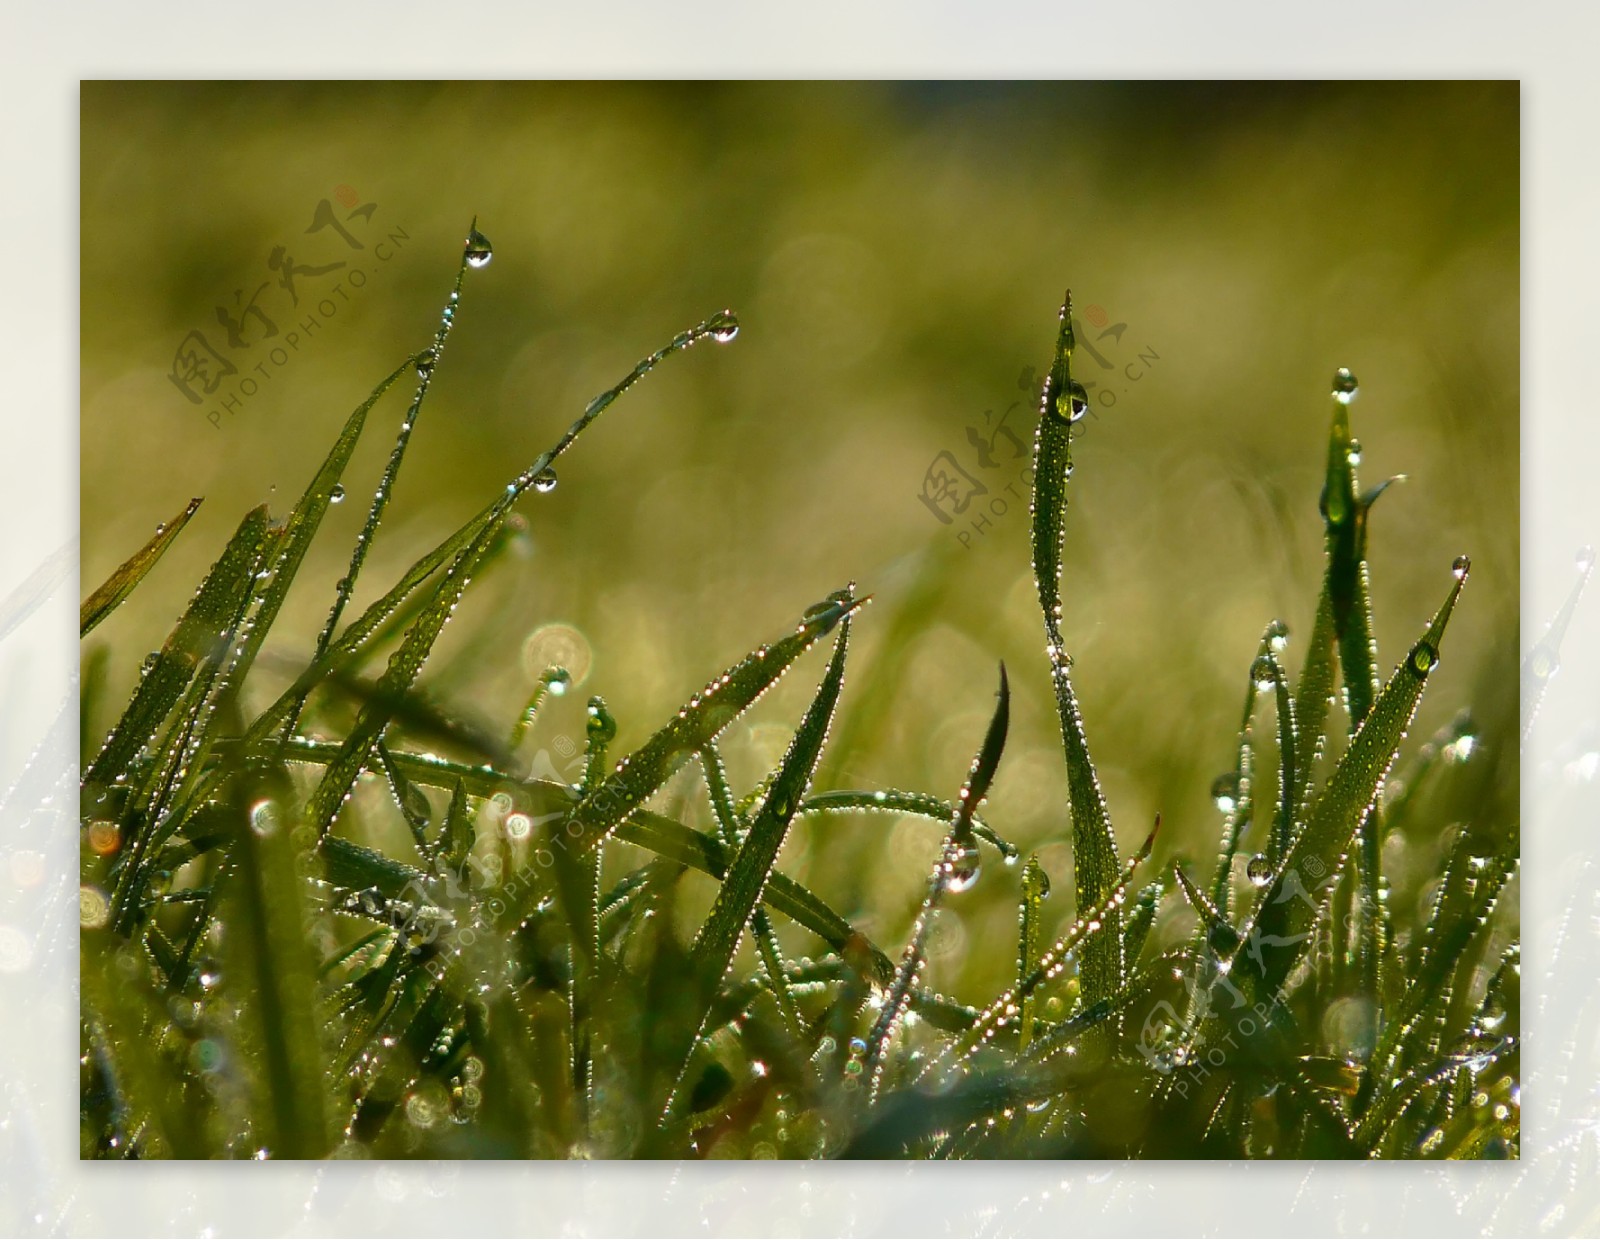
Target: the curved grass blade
(130, 573)
(642, 773)
(956, 863)
(406, 662)
(1094, 846)
(894, 801)
(711, 953)
(1280, 930)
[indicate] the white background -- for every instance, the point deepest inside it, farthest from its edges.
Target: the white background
(46, 49)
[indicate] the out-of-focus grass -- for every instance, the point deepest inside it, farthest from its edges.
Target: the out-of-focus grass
(890, 250)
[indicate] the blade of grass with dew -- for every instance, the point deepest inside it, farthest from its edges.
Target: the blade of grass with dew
(956, 865)
(1030, 912)
(711, 953)
(270, 948)
(1094, 846)
(782, 894)
(406, 662)
(1234, 791)
(120, 584)
(894, 801)
(1002, 1011)
(1282, 924)
(170, 670)
(425, 363)
(732, 830)
(642, 773)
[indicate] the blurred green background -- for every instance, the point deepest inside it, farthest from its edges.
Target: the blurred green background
(896, 254)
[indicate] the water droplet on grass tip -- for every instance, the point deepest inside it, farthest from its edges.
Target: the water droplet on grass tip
(425, 361)
(724, 326)
(1073, 403)
(1345, 387)
(961, 866)
(479, 251)
(545, 481)
(557, 680)
(1264, 672)
(1259, 870)
(602, 727)
(1461, 567)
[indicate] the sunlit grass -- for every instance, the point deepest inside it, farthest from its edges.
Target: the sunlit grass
(359, 921)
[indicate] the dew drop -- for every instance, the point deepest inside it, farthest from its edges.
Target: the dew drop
(479, 251)
(336, 496)
(1461, 567)
(602, 727)
(723, 326)
(1073, 403)
(558, 680)
(1225, 791)
(425, 362)
(1424, 658)
(961, 866)
(1353, 454)
(1264, 672)
(1585, 559)
(545, 481)
(1345, 387)
(1278, 636)
(1259, 870)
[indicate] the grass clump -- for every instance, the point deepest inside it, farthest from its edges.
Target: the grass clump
(513, 979)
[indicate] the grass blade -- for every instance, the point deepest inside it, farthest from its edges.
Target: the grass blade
(640, 775)
(956, 867)
(1094, 846)
(712, 950)
(130, 573)
(405, 664)
(1281, 928)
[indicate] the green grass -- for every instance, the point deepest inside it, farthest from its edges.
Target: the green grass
(484, 963)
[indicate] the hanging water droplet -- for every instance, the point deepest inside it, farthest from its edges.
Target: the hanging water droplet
(558, 680)
(1259, 870)
(479, 251)
(1353, 453)
(1225, 791)
(545, 481)
(426, 360)
(1345, 387)
(1424, 658)
(1585, 559)
(723, 326)
(961, 866)
(1278, 636)
(1461, 567)
(1073, 403)
(336, 496)
(1264, 672)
